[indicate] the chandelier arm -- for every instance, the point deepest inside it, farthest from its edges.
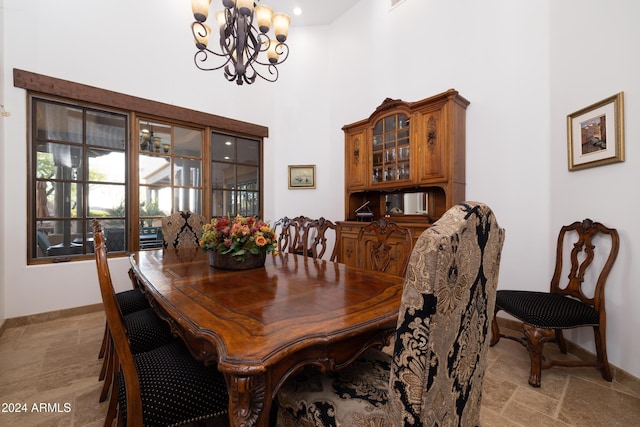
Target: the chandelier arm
(202, 56)
(273, 70)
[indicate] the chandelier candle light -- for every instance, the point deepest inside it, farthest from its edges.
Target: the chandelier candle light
(240, 41)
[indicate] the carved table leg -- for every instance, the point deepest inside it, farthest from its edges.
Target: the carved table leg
(535, 342)
(249, 403)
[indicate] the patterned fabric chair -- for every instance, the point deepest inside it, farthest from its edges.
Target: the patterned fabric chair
(567, 305)
(435, 374)
(182, 229)
(158, 387)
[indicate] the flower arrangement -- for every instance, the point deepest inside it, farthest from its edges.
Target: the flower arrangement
(238, 236)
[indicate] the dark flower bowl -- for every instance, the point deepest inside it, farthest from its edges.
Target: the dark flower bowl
(230, 262)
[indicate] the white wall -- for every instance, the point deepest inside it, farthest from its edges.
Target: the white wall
(2, 156)
(511, 59)
(594, 55)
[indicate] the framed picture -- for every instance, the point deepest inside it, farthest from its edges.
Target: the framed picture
(302, 176)
(596, 134)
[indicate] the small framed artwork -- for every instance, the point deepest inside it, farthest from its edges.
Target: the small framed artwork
(596, 134)
(302, 176)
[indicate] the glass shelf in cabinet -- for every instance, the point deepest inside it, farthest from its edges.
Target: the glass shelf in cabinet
(390, 173)
(390, 155)
(403, 152)
(377, 158)
(377, 175)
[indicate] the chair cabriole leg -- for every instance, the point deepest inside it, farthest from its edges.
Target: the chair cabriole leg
(536, 338)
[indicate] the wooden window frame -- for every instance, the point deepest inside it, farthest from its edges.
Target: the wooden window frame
(135, 108)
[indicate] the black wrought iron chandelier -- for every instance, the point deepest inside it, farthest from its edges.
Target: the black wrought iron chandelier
(246, 52)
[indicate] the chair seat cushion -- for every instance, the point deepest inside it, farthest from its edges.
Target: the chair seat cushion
(355, 396)
(546, 310)
(175, 388)
(131, 300)
(146, 331)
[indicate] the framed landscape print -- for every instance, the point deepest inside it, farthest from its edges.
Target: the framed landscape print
(596, 134)
(302, 176)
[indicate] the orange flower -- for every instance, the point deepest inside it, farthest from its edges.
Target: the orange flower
(260, 240)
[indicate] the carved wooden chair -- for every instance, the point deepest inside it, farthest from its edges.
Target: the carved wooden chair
(317, 238)
(545, 314)
(283, 231)
(300, 235)
(293, 234)
(182, 229)
(384, 246)
(435, 374)
(161, 386)
(129, 301)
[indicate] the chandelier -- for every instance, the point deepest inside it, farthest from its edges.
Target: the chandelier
(151, 142)
(241, 43)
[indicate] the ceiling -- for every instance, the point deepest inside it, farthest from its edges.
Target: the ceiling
(314, 12)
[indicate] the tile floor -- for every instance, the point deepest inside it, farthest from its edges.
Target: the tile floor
(51, 370)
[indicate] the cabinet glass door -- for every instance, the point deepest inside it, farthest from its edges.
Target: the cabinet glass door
(390, 152)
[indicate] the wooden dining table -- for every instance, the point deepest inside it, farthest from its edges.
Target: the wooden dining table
(260, 326)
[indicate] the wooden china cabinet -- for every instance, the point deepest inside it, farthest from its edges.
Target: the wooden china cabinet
(405, 162)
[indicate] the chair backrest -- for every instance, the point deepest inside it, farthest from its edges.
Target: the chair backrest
(282, 228)
(384, 246)
(182, 229)
(445, 314)
(317, 238)
(299, 234)
(579, 237)
(116, 327)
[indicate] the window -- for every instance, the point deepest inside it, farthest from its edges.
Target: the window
(169, 174)
(93, 152)
(79, 163)
(235, 175)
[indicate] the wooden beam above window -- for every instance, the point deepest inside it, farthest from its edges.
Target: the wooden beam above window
(67, 89)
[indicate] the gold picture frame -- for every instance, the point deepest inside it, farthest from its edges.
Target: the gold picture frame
(596, 134)
(302, 176)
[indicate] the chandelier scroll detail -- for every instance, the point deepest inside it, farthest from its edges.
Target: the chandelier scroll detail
(246, 51)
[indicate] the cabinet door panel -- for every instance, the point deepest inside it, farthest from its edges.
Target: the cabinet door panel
(348, 243)
(356, 161)
(431, 147)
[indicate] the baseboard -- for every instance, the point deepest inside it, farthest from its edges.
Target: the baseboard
(3, 327)
(50, 315)
(581, 353)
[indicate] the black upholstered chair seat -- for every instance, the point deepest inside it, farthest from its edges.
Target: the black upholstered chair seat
(131, 300)
(146, 330)
(175, 388)
(546, 310)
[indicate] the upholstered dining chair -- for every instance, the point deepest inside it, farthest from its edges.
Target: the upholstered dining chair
(182, 229)
(159, 387)
(317, 238)
(129, 302)
(571, 304)
(384, 246)
(435, 374)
